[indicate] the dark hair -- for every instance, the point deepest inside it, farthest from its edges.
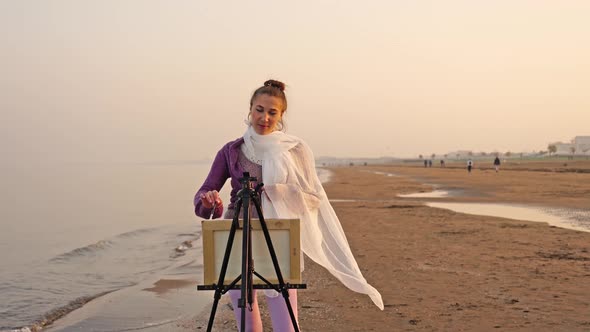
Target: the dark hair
(272, 88)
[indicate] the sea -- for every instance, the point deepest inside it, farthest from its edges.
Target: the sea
(73, 232)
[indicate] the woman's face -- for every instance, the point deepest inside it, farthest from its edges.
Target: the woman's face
(265, 113)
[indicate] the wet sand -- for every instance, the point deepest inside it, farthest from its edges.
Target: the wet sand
(438, 270)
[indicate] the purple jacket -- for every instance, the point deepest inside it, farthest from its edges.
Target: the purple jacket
(224, 166)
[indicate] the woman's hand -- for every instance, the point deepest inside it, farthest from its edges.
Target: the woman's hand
(211, 197)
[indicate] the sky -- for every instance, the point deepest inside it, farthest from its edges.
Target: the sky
(149, 81)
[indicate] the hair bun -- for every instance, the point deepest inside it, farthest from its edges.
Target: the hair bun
(275, 84)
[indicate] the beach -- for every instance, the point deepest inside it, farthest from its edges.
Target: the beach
(115, 114)
(444, 271)
(437, 270)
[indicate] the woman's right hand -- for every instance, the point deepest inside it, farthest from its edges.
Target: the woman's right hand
(208, 198)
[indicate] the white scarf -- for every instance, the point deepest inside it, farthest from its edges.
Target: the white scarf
(293, 190)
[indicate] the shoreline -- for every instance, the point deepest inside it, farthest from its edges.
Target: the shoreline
(161, 286)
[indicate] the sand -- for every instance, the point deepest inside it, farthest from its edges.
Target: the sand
(438, 270)
(444, 271)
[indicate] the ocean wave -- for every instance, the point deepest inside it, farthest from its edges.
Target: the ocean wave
(187, 234)
(83, 251)
(60, 312)
(55, 314)
(136, 232)
(181, 249)
(94, 248)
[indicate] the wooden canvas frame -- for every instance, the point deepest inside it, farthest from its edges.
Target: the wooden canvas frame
(285, 235)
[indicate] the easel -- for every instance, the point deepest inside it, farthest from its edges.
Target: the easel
(246, 196)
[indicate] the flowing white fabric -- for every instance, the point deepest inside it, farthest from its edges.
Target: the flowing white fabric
(293, 190)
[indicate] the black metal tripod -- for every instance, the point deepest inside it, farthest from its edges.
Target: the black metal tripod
(246, 196)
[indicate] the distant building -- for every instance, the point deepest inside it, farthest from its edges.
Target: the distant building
(562, 149)
(580, 144)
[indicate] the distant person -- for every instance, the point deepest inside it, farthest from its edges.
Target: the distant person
(497, 164)
(469, 165)
(442, 163)
(429, 163)
(425, 163)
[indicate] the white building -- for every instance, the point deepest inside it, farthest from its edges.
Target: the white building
(580, 146)
(562, 149)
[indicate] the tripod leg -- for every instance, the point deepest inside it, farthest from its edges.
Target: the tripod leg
(250, 269)
(220, 281)
(245, 262)
(275, 263)
(213, 310)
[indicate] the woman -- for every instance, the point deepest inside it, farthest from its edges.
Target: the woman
(292, 189)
